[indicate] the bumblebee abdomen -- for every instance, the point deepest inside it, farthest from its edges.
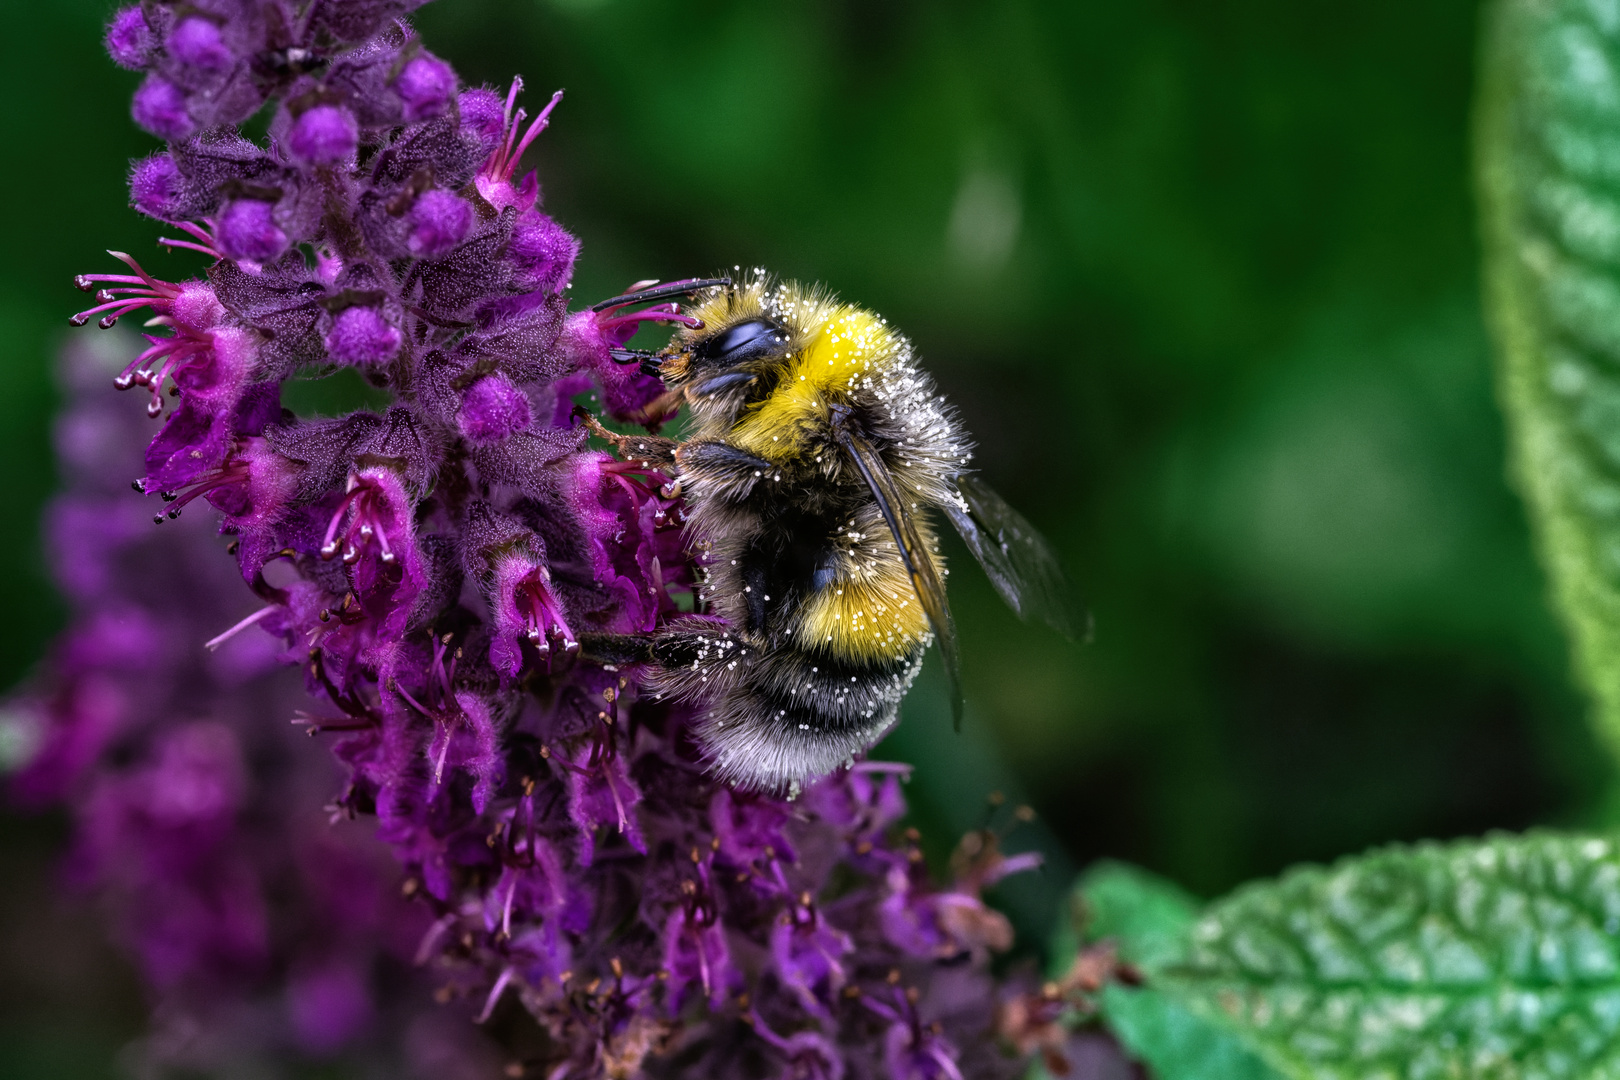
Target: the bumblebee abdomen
(778, 716)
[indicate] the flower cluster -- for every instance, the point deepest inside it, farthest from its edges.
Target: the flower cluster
(261, 931)
(431, 570)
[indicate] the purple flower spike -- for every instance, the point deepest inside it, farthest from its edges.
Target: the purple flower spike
(159, 106)
(440, 221)
(129, 39)
(196, 42)
(247, 230)
(464, 596)
(360, 335)
(425, 85)
(323, 135)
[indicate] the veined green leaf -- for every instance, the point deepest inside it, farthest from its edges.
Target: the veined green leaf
(1548, 157)
(1497, 958)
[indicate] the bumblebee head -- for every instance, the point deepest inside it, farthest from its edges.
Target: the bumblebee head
(731, 356)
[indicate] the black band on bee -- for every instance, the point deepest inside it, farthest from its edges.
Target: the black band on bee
(663, 292)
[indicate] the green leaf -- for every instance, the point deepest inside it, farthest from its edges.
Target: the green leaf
(1149, 919)
(1548, 159)
(1496, 958)
(1145, 914)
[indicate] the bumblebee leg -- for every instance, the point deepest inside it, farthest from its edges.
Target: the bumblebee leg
(648, 451)
(616, 648)
(721, 471)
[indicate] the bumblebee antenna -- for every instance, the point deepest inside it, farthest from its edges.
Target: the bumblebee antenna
(662, 292)
(631, 356)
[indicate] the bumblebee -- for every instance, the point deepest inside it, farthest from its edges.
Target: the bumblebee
(816, 448)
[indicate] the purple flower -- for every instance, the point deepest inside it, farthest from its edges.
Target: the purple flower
(602, 798)
(156, 187)
(425, 85)
(807, 1054)
(159, 106)
(247, 230)
(129, 39)
(373, 529)
(697, 954)
(809, 954)
(196, 42)
(323, 135)
(493, 409)
(525, 609)
(543, 252)
(591, 337)
(360, 335)
(439, 221)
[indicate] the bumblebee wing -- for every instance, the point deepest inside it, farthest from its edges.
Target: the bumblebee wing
(930, 590)
(1017, 558)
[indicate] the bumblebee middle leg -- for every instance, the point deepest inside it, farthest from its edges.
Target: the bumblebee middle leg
(721, 471)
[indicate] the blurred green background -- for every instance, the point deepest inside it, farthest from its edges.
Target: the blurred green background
(1202, 278)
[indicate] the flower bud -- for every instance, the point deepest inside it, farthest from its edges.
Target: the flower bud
(493, 409)
(543, 252)
(157, 188)
(425, 86)
(247, 230)
(129, 40)
(360, 335)
(196, 43)
(159, 106)
(484, 116)
(439, 221)
(323, 135)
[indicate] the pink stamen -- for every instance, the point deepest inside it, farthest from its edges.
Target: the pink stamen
(216, 642)
(430, 940)
(175, 352)
(144, 291)
(503, 161)
(494, 995)
(365, 524)
(444, 752)
(506, 908)
(329, 545)
(618, 803)
(540, 124)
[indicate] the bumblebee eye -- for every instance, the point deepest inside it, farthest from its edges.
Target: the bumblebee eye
(735, 344)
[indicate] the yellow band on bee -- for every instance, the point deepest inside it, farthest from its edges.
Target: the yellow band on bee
(873, 616)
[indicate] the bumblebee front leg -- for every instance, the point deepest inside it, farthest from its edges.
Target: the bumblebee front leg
(648, 451)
